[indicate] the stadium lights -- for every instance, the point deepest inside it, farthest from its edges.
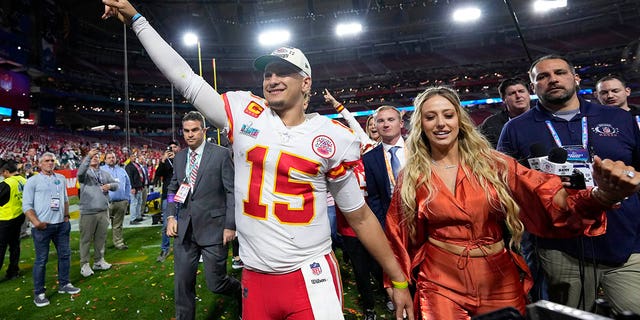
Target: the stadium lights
(468, 14)
(348, 29)
(274, 37)
(191, 39)
(463, 103)
(546, 5)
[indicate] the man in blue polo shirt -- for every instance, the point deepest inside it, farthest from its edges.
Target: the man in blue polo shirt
(577, 267)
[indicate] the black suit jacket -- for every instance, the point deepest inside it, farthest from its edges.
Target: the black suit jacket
(492, 127)
(210, 204)
(378, 183)
(134, 175)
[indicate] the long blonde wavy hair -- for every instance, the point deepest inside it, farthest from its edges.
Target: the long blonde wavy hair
(476, 158)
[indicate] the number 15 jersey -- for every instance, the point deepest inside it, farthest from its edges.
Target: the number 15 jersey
(281, 179)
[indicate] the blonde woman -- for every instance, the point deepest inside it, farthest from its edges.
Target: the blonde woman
(446, 219)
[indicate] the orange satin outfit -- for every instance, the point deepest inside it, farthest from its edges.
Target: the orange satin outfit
(452, 286)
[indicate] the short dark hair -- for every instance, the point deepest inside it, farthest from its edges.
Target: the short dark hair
(173, 142)
(194, 116)
(552, 57)
(506, 83)
(612, 77)
(9, 165)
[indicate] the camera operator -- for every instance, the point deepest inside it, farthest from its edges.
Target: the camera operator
(163, 175)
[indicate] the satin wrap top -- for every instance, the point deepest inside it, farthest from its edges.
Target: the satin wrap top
(468, 219)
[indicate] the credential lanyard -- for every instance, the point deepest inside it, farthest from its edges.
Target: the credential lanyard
(585, 135)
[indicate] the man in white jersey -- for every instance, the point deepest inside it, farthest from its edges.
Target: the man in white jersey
(285, 163)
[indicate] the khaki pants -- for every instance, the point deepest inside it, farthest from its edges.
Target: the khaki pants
(620, 284)
(93, 227)
(117, 211)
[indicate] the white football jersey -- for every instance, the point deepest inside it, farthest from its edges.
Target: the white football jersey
(281, 180)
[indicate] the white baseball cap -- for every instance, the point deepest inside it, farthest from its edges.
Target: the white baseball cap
(291, 55)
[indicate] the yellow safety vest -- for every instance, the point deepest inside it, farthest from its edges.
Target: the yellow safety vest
(13, 208)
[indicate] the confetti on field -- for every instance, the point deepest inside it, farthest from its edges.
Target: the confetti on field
(19, 308)
(17, 289)
(112, 310)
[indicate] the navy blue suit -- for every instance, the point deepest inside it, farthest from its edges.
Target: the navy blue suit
(378, 183)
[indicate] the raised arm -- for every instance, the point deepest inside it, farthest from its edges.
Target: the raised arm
(171, 64)
(351, 120)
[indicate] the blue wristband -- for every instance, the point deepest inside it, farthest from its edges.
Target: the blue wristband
(136, 17)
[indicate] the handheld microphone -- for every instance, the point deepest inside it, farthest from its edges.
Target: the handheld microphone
(556, 164)
(537, 152)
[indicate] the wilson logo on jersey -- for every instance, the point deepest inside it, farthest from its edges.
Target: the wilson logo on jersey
(323, 146)
(248, 130)
(315, 268)
(254, 109)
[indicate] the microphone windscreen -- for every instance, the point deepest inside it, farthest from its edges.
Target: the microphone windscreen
(558, 155)
(537, 150)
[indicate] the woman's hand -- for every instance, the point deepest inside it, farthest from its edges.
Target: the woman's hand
(330, 99)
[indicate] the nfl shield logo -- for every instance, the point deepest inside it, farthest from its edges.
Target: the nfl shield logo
(315, 268)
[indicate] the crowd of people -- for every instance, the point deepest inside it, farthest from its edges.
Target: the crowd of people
(450, 220)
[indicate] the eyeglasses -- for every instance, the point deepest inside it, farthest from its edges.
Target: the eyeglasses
(50, 160)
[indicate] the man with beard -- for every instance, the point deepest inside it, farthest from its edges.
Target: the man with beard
(578, 267)
(612, 91)
(118, 199)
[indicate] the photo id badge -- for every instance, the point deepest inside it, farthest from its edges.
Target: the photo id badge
(55, 204)
(182, 193)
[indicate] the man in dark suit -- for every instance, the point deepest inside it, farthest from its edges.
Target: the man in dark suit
(382, 163)
(381, 167)
(202, 190)
(136, 176)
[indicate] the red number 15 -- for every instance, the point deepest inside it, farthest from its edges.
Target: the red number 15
(284, 185)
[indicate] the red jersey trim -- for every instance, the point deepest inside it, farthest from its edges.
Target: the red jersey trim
(227, 110)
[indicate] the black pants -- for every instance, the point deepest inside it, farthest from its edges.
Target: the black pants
(10, 236)
(364, 267)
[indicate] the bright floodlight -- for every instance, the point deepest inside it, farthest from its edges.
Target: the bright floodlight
(348, 29)
(546, 5)
(274, 37)
(190, 39)
(468, 14)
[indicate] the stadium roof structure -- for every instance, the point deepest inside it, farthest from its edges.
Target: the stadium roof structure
(400, 39)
